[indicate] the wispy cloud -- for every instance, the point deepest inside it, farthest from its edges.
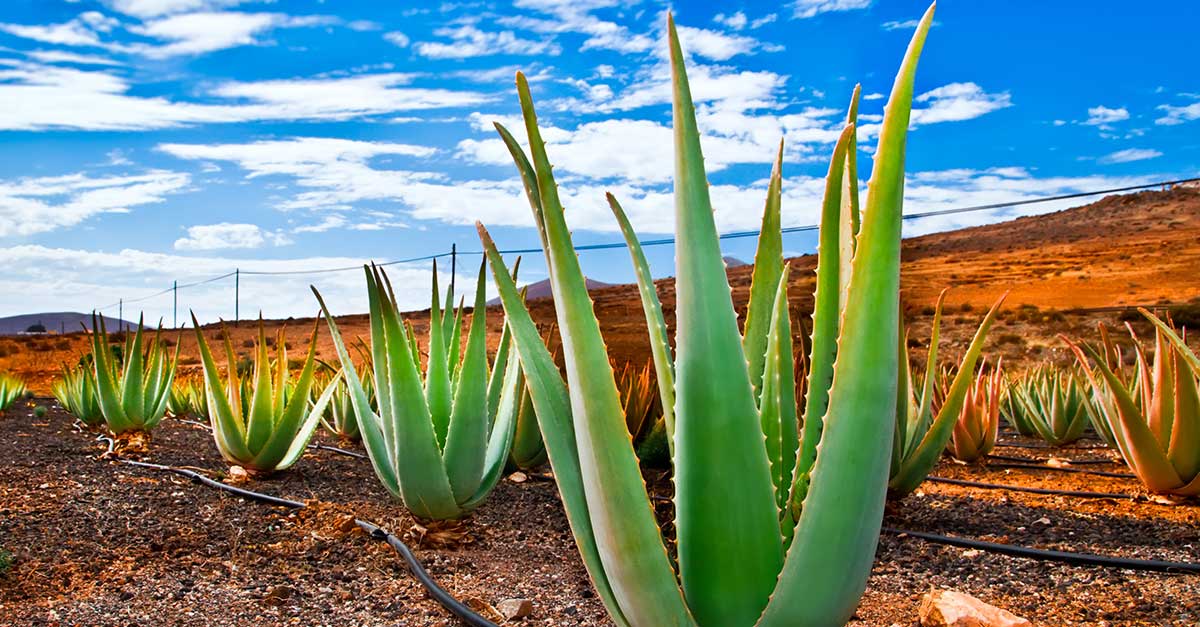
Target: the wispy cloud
(1103, 116)
(228, 235)
(956, 102)
(42, 204)
(804, 9)
(1130, 154)
(469, 41)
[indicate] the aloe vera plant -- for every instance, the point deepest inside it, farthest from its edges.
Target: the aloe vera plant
(187, 399)
(339, 417)
(75, 390)
(765, 534)
(978, 425)
(921, 435)
(1054, 402)
(11, 389)
(263, 422)
(1160, 437)
(132, 392)
(434, 442)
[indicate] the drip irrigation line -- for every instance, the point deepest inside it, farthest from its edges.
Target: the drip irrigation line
(439, 594)
(1044, 446)
(1032, 490)
(1043, 460)
(1084, 471)
(1045, 555)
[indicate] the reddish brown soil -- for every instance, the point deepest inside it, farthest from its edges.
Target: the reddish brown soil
(98, 543)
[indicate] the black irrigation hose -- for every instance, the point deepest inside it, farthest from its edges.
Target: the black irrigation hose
(1074, 559)
(1083, 471)
(1044, 446)
(439, 594)
(1014, 488)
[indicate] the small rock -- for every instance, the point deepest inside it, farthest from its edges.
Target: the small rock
(518, 477)
(513, 609)
(278, 595)
(948, 608)
(237, 474)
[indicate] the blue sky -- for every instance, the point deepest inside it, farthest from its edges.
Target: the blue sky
(152, 140)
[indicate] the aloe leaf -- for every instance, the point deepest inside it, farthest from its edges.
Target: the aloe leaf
(370, 424)
(468, 429)
(226, 422)
(290, 417)
(830, 557)
(1184, 445)
(261, 421)
(716, 415)
(1173, 337)
(849, 198)
(499, 442)
(553, 410)
(924, 456)
(304, 434)
(917, 429)
(437, 371)
(620, 508)
(827, 311)
(656, 325)
(764, 282)
(778, 405)
(131, 380)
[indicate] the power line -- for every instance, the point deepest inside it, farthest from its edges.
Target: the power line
(662, 241)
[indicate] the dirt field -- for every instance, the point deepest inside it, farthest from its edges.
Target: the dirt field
(97, 543)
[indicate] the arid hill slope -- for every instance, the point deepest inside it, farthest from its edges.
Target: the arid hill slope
(1122, 250)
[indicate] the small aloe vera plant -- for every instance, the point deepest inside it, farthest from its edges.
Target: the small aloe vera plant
(11, 389)
(264, 422)
(75, 390)
(1158, 434)
(1054, 402)
(978, 425)
(132, 395)
(921, 435)
(771, 529)
(434, 442)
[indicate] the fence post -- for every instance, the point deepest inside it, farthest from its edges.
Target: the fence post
(453, 268)
(237, 289)
(120, 314)
(175, 304)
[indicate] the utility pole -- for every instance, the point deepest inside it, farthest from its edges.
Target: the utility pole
(175, 305)
(237, 290)
(120, 315)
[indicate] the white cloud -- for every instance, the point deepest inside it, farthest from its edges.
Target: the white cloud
(811, 8)
(719, 46)
(81, 31)
(577, 17)
(1103, 116)
(468, 41)
(38, 205)
(397, 38)
(50, 97)
(736, 21)
(956, 102)
(1178, 114)
(198, 33)
(158, 8)
(1130, 154)
(228, 235)
(62, 56)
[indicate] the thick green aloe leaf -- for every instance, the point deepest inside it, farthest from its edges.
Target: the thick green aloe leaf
(850, 214)
(468, 430)
(226, 421)
(552, 406)
(131, 380)
(437, 371)
(620, 509)
(501, 439)
(1173, 337)
(260, 422)
(107, 389)
(726, 582)
(656, 325)
(830, 557)
(764, 282)
(1184, 443)
(827, 311)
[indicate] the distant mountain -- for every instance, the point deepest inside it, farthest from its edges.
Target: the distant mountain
(541, 289)
(54, 322)
(733, 262)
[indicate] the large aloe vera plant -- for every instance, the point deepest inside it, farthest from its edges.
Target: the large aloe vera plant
(133, 393)
(263, 422)
(768, 531)
(921, 434)
(434, 442)
(1054, 402)
(1159, 437)
(75, 390)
